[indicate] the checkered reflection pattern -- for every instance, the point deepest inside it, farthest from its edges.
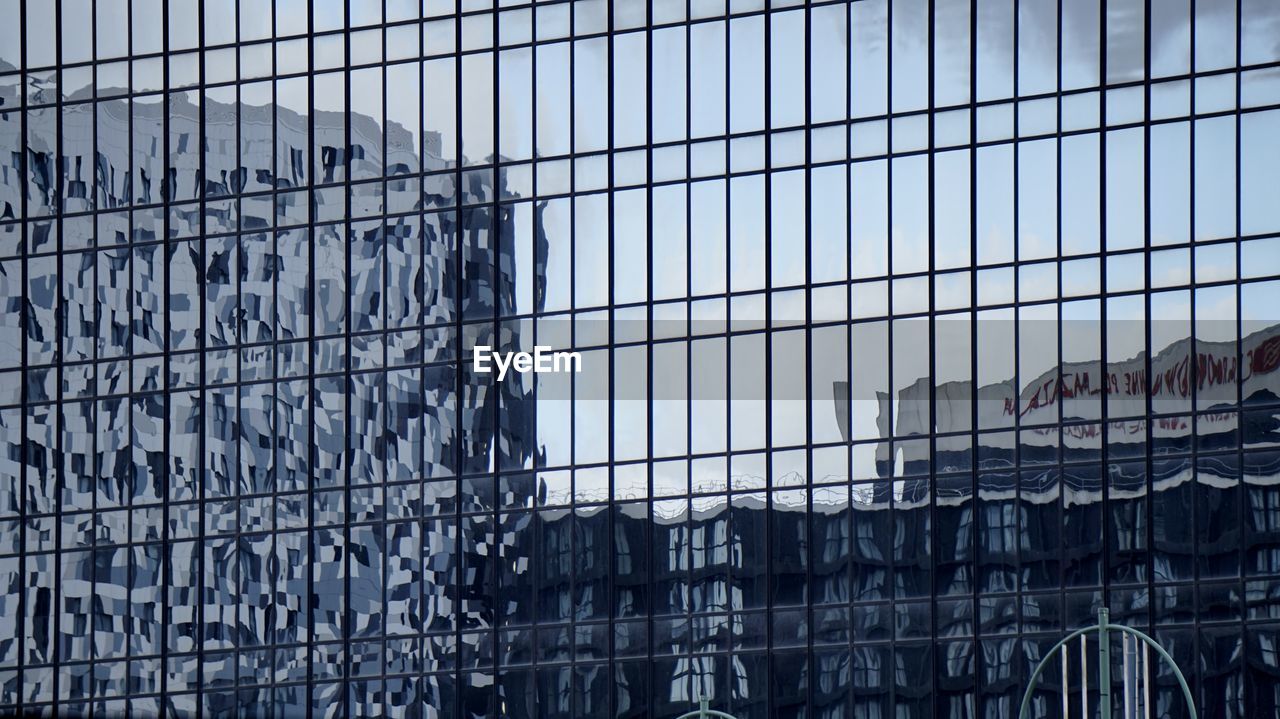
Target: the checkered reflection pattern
(912, 332)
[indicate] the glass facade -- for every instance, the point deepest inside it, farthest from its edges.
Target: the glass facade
(912, 332)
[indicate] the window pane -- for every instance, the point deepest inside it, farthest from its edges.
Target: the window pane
(786, 69)
(910, 77)
(995, 49)
(746, 74)
(868, 59)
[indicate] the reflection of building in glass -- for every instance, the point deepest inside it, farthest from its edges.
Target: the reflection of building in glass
(1176, 375)
(246, 469)
(202, 578)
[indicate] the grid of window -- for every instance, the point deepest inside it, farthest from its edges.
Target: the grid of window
(912, 332)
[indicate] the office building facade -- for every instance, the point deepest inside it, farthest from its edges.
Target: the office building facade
(911, 334)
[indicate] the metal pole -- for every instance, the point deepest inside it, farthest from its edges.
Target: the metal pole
(1146, 682)
(1040, 666)
(1084, 676)
(1173, 667)
(1066, 694)
(1104, 664)
(1130, 677)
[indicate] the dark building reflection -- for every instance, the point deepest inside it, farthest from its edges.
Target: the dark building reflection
(247, 470)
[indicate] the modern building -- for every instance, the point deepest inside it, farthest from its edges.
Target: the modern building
(912, 332)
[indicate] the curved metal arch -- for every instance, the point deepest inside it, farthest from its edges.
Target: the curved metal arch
(1026, 695)
(702, 712)
(1102, 627)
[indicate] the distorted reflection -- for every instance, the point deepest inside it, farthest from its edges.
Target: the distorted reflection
(875, 400)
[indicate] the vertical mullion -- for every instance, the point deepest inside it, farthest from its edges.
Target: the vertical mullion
(312, 345)
(535, 320)
(130, 349)
(1019, 521)
(770, 545)
(1193, 385)
(610, 253)
(931, 234)
(1239, 320)
(420, 246)
(688, 277)
(459, 253)
(888, 439)
(1149, 403)
(574, 150)
(238, 333)
(1058, 370)
(1104, 327)
(849, 523)
(24, 400)
(848, 330)
(271, 639)
(202, 345)
(1192, 123)
(54, 653)
(384, 184)
(166, 566)
(535, 559)
(91, 192)
(165, 573)
(348, 376)
(728, 286)
(808, 338)
(498, 247)
(612, 239)
(975, 315)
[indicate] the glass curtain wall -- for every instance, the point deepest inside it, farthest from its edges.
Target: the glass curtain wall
(912, 332)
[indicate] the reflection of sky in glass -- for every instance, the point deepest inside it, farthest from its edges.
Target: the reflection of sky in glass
(251, 316)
